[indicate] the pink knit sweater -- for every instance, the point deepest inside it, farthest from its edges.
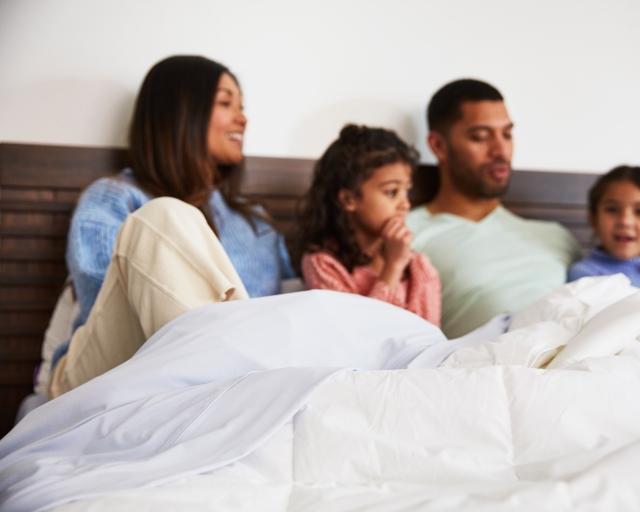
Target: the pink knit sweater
(419, 290)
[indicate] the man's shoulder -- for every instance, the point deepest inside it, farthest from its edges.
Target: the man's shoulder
(419, 212)
(424, 224)
(418, 218)
(549, 233)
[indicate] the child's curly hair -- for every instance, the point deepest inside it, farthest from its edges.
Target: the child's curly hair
(346, 164)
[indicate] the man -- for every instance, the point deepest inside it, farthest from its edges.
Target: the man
(490, 261)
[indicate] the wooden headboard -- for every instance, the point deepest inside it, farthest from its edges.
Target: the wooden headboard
(39, 186)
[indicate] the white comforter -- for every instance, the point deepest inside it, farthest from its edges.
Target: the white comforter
(215, 393)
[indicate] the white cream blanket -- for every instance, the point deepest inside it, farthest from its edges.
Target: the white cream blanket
(215, 392)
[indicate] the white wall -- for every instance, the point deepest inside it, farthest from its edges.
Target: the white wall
(69, 69)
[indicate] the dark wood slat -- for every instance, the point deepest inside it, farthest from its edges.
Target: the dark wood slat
(10, 399)
(33, 244)
(35, 219)
(25, 232)
(276, 176)
(19, 294)
(40, 306)
(24, 318)
(562, 188)
(35, 206)
(13, 254)
(17, 374)
(36, 195)
(35, 328)
(24, 165)
(46, 281)
(27, 267)
(20, 348)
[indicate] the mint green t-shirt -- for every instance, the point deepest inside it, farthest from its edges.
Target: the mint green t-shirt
(500, 264)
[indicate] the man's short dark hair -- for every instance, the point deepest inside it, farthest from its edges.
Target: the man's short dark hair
(444, 108)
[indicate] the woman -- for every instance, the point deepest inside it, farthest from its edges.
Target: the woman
(137, 262)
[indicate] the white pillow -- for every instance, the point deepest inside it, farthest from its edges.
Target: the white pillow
(574, 304)
(58, 331)
(531, 346)
(612, 330)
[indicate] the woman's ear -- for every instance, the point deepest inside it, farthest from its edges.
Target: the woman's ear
(347, 200)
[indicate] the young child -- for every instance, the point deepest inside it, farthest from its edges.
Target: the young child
(353, 236)
(614, 214)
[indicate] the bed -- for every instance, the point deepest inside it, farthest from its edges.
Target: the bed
(265, 404)
(478, 424)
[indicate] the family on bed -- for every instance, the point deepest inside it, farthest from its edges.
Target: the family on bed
(171, 233)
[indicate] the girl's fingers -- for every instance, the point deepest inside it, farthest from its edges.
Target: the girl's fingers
(393, 226)
(401, 231)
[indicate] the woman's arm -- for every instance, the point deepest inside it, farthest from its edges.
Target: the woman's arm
(285, 261)
(95, 223)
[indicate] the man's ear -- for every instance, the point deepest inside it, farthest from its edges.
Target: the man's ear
(438, 145)
(347, 200)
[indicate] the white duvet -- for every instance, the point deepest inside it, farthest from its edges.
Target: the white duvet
(239, 406)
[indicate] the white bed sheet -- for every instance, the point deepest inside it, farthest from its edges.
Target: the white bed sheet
(477, 434)
(204, 391)
(493, 438)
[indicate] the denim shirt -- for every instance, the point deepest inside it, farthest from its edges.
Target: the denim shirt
(260, 257)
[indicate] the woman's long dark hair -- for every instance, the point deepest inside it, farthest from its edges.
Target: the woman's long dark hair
(168, 135)
(345, 165)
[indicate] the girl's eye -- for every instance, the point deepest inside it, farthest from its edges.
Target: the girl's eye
(223, 103)
(610, 209)
(391, 193)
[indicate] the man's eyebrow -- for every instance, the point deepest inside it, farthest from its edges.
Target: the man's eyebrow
(489, 128)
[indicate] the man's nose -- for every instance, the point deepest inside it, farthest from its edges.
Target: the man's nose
(501, 147)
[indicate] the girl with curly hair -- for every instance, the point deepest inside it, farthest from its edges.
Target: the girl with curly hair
(353, 236)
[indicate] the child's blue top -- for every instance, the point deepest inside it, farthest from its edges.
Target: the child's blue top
(260, 257)
(601, 263)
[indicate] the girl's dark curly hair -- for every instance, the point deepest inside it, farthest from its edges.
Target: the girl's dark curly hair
(346, 164)
(599, 188)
